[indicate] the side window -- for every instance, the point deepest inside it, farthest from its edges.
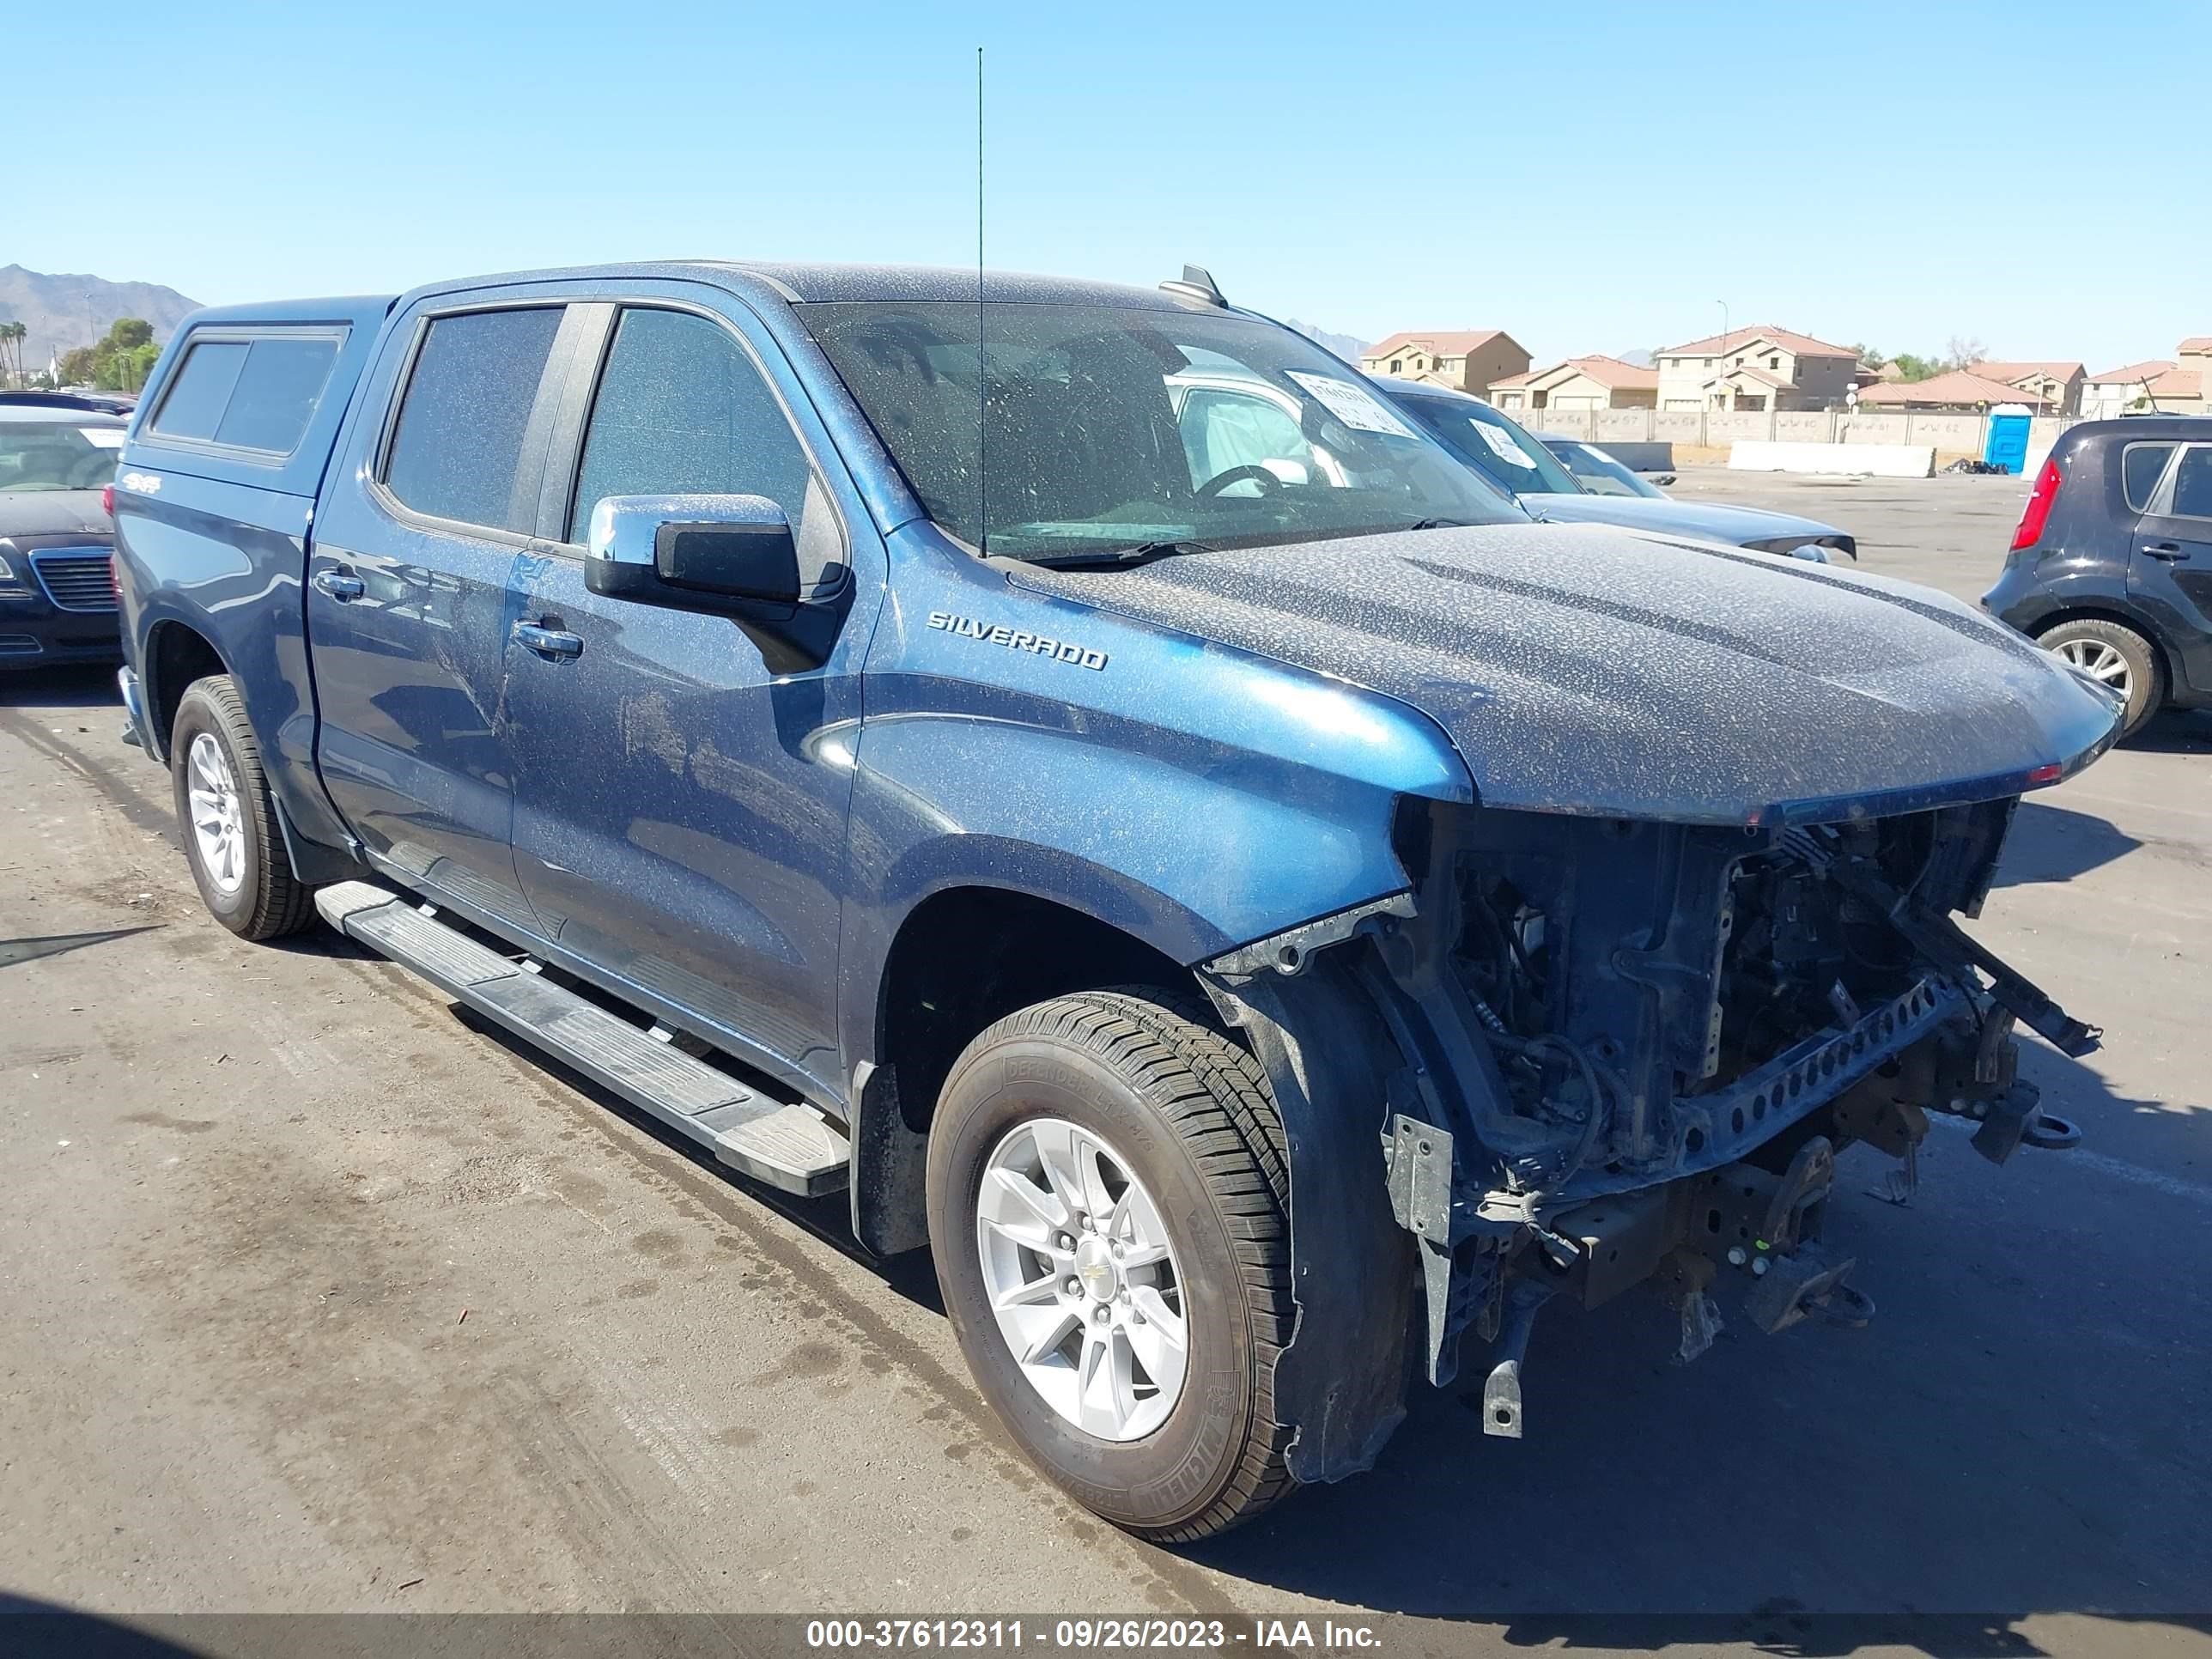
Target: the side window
(2142, 465)
(457, 448)
(277, 394)
(2192, 483)
(247, 394)
(1223, 430)
(201, 391)
(681, 409)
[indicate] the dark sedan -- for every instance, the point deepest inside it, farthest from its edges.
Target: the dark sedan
(57, 592)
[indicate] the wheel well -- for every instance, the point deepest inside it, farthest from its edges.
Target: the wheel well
(175, 657)
(2119, 618)
(968, 956)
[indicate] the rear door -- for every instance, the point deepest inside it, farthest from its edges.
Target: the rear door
(2170, 572)
(680, 809)
(415, 582)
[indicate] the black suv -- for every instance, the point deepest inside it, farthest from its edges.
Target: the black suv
(2112, 565)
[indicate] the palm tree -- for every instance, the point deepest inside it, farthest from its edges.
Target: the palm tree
(12, 334)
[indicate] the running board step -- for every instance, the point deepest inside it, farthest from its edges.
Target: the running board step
(788, 1146)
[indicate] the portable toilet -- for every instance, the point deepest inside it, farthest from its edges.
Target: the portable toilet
(2006, 447)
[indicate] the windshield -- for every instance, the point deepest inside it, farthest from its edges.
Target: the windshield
(1599, 473)
(36, 455)
(1109, 429)
(1492, 445)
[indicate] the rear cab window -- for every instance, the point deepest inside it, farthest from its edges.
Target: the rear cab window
(249, 392)
(253, 395)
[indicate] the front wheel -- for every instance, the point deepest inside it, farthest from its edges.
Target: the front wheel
(231, 837)
(1109, 1208)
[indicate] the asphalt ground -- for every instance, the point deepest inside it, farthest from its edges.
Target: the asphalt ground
(316, 1297)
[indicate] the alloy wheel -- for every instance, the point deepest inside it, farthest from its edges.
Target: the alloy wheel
(1083, 1278)
(217, 814)
(2100, 660)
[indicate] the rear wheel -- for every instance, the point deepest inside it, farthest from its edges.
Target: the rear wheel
(231, 839)
(1109, 1209)
(2120, 658)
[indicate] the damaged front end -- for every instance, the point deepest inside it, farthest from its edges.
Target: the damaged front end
(1614, 1051)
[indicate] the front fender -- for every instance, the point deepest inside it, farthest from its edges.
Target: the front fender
(1195, 797)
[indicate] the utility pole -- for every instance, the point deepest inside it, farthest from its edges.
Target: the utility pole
(1723, 304)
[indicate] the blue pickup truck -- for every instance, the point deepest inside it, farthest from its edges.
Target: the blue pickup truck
(1264, 914)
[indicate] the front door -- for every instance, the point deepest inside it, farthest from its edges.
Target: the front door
(2170, 572)
(413, 596)
(680, 811)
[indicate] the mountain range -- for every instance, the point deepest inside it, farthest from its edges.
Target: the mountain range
(1347, 346)
(61, 312)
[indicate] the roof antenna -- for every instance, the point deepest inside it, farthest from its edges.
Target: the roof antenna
(982, 367)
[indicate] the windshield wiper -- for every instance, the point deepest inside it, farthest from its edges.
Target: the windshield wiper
(1109, 557)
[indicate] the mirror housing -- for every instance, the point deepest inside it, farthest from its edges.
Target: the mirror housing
(732, 556)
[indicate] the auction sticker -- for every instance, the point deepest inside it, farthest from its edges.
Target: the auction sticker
(1356, 407)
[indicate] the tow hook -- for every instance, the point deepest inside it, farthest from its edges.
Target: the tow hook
(1806, 1283)
(1501, 1391)
(2014, 1118)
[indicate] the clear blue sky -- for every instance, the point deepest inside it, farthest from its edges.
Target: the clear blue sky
(1589, 177)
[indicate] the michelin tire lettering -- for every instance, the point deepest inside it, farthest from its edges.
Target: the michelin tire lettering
(1075, 656)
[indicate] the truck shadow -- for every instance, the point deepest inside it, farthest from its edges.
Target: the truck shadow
(2010, 1434)
(2055, 844)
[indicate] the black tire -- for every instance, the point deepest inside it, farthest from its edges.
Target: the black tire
(1189, 1112)
(268, 900)
(2145, 669)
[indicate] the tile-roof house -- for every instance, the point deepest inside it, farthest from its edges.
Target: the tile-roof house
(1961, 390)
(2153, 385)
(1758, 367)
(2055, 386)
(1469, 359)
(1592, 382)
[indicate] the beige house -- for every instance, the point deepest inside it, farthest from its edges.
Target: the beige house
(2051, 388)
(1595, 382)
(1469, 359)
(1761, 367)
(2183, 387)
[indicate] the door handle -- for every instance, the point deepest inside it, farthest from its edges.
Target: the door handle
(339, 583)
(2168, 550)
(555, 644)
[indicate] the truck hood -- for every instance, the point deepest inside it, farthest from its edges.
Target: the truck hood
(1582, 668)
(1717, 521)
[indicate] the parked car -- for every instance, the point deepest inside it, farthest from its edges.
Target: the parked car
(2112, 564)
(1511, 457)
(1257, 924)
(1599, 473)
(57, 590)
(98, 403)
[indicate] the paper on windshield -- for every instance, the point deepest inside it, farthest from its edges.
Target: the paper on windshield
(1356, 407)
(1507, 450)
(103, 437)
